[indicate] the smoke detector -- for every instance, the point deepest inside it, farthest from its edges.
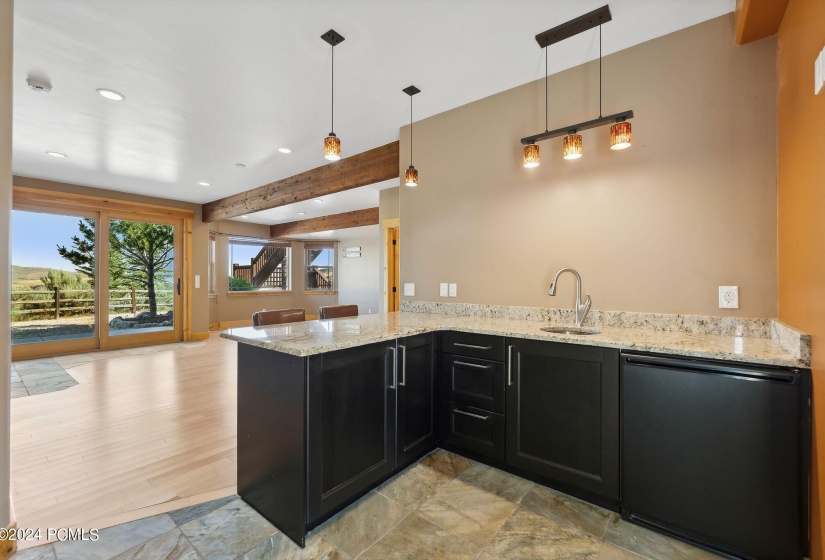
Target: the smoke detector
(39, 84)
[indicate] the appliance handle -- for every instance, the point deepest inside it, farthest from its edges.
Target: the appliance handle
(764, 374)
(403, 382)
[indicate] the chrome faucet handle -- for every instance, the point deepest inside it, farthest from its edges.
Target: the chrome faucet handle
(582, 309)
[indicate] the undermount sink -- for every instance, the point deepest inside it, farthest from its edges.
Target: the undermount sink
(570, 330)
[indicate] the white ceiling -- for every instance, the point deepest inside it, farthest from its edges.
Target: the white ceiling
(212, 83)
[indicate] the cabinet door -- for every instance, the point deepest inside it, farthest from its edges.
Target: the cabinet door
(563, 413)
(417, 396)
(351, 424)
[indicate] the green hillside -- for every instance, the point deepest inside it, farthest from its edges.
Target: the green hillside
(29, 276)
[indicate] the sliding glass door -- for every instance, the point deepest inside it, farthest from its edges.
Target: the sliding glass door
(87, 280)
(54, 299)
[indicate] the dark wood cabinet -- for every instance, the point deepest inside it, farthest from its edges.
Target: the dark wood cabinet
(417, 396)
(474, 429)
(351, 424)
(474, 382)
(563, 413)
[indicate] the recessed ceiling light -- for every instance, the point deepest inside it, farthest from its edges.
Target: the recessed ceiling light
(245, 217)
(285, 150)
(301, 213)
(56, 154)
(203, 183)
(318, 200)
(240, 165)
(111, 94)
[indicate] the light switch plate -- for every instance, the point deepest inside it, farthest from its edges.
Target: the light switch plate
(409, 289)
(728, 297)
(453, 290)
(197, 280)
(442, 289)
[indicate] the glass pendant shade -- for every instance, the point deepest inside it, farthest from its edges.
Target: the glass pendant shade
(620, 136)
(573, 146)
(332, 147)
(530, 156)
(411, 177)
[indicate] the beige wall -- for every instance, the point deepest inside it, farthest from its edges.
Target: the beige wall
(6, 28)
(358, 278)
(200, 236)
(658, 227)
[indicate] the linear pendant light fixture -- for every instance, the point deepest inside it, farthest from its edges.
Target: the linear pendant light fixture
(620, 131)
(332, 144)
(411, 175)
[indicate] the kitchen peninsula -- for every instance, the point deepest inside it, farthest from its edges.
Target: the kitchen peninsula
(328, 410)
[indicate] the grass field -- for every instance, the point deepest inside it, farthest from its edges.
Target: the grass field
(27, 277)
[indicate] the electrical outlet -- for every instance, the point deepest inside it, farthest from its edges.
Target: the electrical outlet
(409, 289)
(728, 297)
(442, 289)
(453, 290)
(819, 72)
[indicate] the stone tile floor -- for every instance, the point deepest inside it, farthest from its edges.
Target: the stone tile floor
(47, 375)
(443, 507)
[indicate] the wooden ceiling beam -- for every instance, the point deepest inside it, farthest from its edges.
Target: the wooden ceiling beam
(757, 19)
(357, 218)
(366, 168)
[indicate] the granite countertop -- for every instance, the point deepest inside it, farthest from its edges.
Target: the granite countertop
(316, 337)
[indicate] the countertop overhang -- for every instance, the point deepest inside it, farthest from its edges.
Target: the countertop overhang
(317, 337)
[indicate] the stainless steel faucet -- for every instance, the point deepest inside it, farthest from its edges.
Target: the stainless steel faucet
(581, 308)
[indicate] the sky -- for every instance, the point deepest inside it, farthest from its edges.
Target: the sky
(35, 238)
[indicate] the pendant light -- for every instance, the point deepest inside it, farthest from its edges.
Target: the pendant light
(332, 144)
(620, 135)
(572, 146)
(411, 175)
(530, 153)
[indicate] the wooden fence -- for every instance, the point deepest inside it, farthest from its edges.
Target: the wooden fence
(82, 302)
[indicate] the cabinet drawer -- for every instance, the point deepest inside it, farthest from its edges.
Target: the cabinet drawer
(481, 346)
(474, 429)
(474, 382)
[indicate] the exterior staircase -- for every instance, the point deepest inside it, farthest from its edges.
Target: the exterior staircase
(266, 270)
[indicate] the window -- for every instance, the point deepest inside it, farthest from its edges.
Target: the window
(320, 267)
(213, 279)
(258, 264)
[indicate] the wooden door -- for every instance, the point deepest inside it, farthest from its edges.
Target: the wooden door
(393, 269)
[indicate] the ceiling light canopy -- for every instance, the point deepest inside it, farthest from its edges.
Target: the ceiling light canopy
(332, 144)
(203, 183)
(411, 175)
(285, 150)
(111, 94)
(620, 131)
(57, 154)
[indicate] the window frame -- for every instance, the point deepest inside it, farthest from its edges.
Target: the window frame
(332, 246)
(237, 240)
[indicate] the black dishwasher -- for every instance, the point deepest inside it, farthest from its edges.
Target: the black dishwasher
(717, 453)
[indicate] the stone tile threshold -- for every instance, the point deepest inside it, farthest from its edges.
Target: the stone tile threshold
(47, 375)
(442, 507)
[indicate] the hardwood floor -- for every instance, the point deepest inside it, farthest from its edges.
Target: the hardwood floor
(139, 435)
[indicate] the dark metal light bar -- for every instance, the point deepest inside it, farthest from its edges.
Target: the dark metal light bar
(574, 26)
(563, 131)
